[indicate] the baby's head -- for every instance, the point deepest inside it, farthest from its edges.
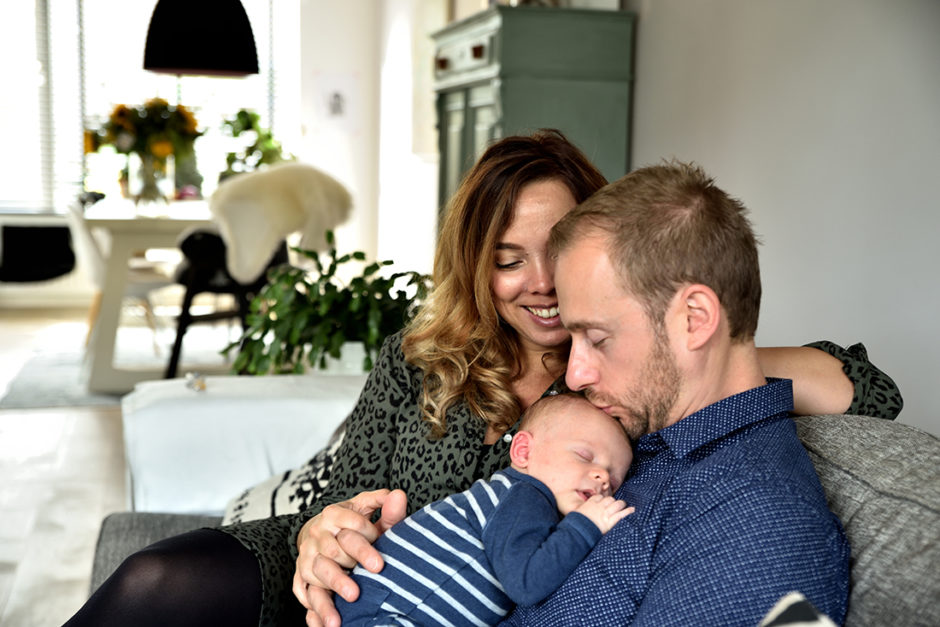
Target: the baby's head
(572, 447)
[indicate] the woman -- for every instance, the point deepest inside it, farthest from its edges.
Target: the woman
(436, 413)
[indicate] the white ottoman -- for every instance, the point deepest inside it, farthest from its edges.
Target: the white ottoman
(192, 451)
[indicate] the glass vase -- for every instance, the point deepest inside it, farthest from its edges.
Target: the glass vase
(144, 175)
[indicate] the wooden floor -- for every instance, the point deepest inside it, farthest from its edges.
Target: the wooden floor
(61, 472)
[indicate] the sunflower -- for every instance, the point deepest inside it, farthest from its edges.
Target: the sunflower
(156, 129)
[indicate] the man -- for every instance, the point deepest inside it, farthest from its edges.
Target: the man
(658, 282)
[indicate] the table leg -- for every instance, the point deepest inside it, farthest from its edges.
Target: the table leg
(102, 375)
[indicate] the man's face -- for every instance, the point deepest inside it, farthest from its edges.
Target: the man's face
(622, 362)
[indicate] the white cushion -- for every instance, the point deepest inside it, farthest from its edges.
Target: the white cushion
(191, 451)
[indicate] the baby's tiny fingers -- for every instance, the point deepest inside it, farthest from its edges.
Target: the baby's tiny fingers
(620, 515)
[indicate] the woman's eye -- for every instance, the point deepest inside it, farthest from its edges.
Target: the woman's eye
(507, 265)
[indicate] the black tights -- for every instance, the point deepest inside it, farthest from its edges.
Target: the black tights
(202, 577)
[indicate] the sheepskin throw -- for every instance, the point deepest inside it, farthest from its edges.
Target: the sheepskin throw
(255, 211)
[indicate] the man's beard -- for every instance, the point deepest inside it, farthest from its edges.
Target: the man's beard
(649, 405)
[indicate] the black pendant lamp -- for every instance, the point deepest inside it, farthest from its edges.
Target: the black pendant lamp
(202, 37)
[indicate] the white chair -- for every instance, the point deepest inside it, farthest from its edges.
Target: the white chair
(143, 277)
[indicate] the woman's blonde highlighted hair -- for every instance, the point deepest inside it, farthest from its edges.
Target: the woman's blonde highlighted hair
(457, 338)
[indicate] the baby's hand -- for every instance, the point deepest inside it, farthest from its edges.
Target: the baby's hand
(604, 511)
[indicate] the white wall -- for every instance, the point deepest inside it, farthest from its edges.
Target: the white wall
(377, 55)
(407, 217)
(824, 119)
(339, 45)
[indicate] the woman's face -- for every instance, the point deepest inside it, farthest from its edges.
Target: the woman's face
(522, 280)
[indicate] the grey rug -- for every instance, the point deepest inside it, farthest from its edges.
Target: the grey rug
(54, 376)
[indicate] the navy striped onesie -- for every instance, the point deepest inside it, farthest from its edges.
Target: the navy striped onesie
(467, 559)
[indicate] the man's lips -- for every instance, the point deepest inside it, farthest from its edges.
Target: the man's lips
(601, 403)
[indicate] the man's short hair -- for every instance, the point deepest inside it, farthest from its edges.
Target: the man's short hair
(669, 225)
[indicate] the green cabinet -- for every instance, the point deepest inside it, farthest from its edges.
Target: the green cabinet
(511, 70)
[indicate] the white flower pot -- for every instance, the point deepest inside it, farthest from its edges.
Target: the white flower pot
(350, 362)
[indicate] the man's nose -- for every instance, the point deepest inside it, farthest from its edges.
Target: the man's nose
(580, 373)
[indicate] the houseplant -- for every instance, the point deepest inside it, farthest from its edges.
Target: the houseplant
(264, 150)
(302, 317)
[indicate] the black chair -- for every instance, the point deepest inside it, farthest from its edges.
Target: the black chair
(203, 270)
(35, 253)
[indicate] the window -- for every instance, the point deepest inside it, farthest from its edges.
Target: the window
(77, 60)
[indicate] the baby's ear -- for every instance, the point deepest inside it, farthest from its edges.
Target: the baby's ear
(520, 448)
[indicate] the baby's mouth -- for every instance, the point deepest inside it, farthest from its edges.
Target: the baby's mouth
(586, 494)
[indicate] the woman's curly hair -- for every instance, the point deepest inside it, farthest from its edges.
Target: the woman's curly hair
(457, 338)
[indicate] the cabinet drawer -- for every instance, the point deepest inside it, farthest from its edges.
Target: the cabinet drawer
(461, 57)
(465, 50)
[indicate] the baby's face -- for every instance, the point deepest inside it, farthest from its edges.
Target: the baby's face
(584, 452)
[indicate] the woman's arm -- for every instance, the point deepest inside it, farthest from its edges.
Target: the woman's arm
(359, 476)
(829, 379)
(334, 541)
(819, 384)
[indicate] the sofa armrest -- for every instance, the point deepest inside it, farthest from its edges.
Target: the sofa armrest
(882, 479)
(124, 533)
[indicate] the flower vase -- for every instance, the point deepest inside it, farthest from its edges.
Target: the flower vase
(147, 188)
(188, 181)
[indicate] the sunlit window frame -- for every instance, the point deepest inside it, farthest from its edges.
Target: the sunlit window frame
(61, 48)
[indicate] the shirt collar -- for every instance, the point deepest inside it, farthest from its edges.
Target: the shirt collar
(720, 419)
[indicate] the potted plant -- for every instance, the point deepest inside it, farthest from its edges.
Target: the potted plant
(263, 151)
(301, 317)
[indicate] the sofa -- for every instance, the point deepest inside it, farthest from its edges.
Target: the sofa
(881, 478)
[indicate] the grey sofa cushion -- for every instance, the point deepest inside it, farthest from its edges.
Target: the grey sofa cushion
(124, 533)
(883, 481)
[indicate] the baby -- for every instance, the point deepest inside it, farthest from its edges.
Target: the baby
(465, 560)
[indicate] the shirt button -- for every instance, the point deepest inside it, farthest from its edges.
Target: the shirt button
(507, 438)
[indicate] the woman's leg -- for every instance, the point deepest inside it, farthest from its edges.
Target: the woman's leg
(204, 577)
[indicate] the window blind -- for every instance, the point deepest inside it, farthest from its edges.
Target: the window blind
(74, 61)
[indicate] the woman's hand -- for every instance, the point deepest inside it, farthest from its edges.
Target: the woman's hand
(336, 540)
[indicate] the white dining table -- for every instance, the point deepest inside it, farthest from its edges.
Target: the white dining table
(130, 228)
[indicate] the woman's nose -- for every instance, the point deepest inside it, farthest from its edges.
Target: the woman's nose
(541, 280)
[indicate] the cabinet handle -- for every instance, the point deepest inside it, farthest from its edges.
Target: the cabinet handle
(477, 51)
(441, 63)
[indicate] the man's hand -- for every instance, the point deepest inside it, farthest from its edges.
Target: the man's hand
(604, 511)
(336, 540)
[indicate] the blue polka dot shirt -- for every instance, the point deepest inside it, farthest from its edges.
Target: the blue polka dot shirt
(730, 517)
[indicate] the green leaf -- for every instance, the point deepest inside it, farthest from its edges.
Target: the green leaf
(303, 315)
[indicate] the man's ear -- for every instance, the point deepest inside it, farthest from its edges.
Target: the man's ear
(520, 448)
(700, 307)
